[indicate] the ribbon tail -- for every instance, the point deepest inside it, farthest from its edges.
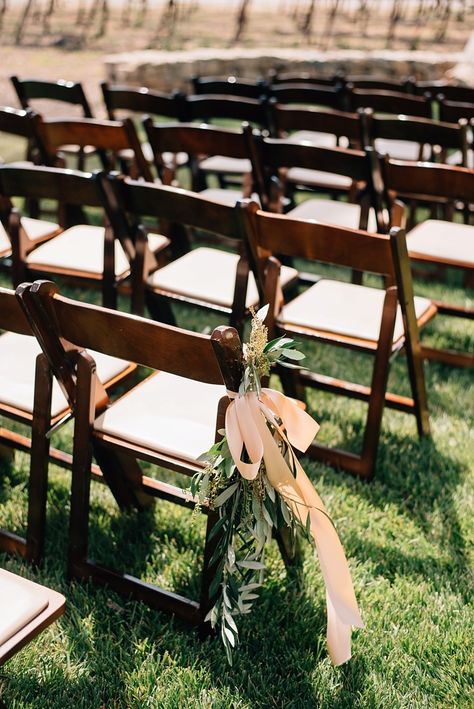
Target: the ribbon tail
(300, 426)
(342, 610)
(235, 441)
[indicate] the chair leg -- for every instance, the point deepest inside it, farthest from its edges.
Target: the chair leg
(159, 308)
(379, 384)
(39, 461)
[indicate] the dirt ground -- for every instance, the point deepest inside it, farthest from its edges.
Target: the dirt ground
(62, 47)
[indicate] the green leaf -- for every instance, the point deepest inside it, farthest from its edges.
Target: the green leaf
(245, 564)
(294, 354)
(224, 496)
(217, 527)
(229, 635)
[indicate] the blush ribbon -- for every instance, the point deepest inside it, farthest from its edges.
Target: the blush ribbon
(246, 425)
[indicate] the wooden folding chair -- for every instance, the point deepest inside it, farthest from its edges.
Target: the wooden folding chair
(84, 254)
(109, 138)
(229, 86)
(438, 242)
(405, 138)
(169, 419)
(270, 156)
(64, 92)
(294, 77)
(28, 395)
(207, 277)
(378, 83)
(27, 609)
(202, 143)
(368, 320)
(451, 92)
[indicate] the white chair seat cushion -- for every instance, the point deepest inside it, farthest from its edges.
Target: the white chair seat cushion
(401, 149)
(36, 229)
(314, 137)
(225, 165)
(17, 372)
(80, 248)
(303, 176)
(450, 242)
(166, 413)
(156, 242)
(208, 275)
(227, 197)
(22, 601)
(344, 309)
(330, 211)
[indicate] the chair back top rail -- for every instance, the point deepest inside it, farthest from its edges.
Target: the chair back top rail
(195, 139)
(37, 182)
(418, 130)
(171, 204)
(66, 91)
(429, 180)
(339, 123)
(390, 102)
(280, 234)
(318, 95)
(453, 111)
(229, 86)
(141, 100)
(16, 121)
(213, 106)
(59, 321)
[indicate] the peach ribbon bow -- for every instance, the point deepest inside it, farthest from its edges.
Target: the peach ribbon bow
(246, 423)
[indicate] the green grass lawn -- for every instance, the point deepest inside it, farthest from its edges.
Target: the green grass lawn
(408, 535)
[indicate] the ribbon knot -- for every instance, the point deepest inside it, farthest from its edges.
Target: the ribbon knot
(246, 425)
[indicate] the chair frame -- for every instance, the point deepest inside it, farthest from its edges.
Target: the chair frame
(377, 253)
(448, 183)
(229, 86)
(120, 97)
(63, 328)
(391, 102)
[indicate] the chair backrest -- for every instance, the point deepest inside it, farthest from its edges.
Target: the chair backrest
(422, 131)
(64, 91)
(107, 136)
(64, 326)
(390, 102)
(286, 119)
(210, 107)
(142, 100)
(311, 94)
(289, 77)
(464, 94)
(229, 86)
(379, 83)
(125, 196)
(429, 181)
(16, 122)
(193, 139)
(453, 111)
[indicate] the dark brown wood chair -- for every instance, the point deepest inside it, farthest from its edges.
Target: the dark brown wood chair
(412, 139)
(109, 138)
(28, 396)
(294, 77)
(27, 609)
(64, 92)
(392, 102)
(229, 86)
(169, 419)
(369, 320)
(205, 276)
(270, 156)
(202, 143)
(451, 92)
(438, 242)
(84, 254)
(378, 83)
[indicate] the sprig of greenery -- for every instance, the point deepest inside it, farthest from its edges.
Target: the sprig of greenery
(248, 511)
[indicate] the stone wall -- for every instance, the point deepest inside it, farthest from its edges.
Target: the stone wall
(172, 70)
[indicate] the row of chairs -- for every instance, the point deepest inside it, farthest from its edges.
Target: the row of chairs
(89, 348)
(450, 106)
